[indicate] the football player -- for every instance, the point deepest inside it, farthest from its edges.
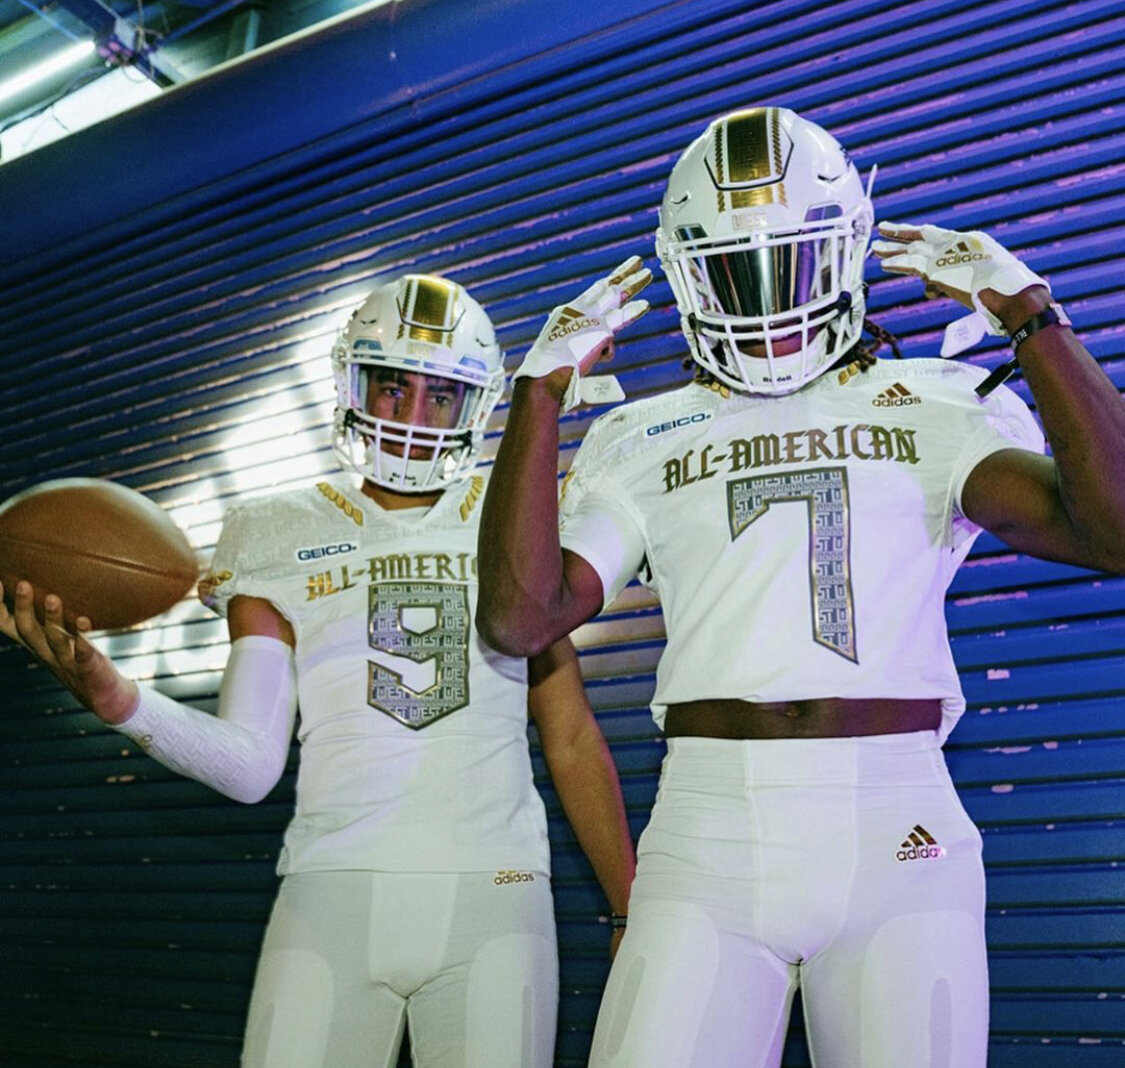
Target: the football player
(800, 508)
(416, 868)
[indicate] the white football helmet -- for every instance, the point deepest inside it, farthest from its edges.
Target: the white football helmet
(763, 232)
(420, 325)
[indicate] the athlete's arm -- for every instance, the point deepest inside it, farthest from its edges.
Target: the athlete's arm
(1069, 507)
(531, 591)
(241, 752)
(582, 769)
(248, 616)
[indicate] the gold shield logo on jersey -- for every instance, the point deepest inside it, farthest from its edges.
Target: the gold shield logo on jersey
(418, 660)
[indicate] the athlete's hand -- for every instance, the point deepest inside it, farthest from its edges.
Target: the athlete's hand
(579, 334)
(971, 268)
(79, 666)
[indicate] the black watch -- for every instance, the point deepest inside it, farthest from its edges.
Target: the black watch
(1052, 315)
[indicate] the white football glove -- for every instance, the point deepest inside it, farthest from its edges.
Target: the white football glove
(959, 265)
(576, 334)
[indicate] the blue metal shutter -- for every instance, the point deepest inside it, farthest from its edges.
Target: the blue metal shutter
(170, 332)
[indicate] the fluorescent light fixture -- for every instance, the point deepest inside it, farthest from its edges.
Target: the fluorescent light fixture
(68, 57)
(122, 88)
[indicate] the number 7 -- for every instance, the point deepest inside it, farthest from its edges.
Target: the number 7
(824, 491)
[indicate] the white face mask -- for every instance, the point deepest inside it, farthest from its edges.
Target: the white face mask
(415, 433)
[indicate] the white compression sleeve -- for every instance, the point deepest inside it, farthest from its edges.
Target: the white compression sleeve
(241, 752)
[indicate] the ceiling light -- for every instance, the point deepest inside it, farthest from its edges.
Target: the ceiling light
(68, 57)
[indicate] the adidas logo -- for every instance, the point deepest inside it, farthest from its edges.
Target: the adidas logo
(504, 877)
(898, 396)
(919, 844)
(570, 321)
(960, 253)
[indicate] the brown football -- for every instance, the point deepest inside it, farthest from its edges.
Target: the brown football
(107, 551)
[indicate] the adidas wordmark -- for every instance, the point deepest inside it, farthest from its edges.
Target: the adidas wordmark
(919, 845)
(898, 396)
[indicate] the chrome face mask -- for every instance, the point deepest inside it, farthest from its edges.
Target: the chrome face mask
(768, 310)
(780, 274)
(763, 230)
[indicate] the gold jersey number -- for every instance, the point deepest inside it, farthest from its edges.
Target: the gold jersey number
(824, 492)
(418, 667)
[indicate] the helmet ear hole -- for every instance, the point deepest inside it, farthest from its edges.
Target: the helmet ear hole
(769, 224)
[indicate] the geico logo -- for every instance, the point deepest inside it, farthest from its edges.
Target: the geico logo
(563, 328)
(683, 420)
(503, 877)
(965, 257)
(318, 552)
(920, 853)
(895, 402)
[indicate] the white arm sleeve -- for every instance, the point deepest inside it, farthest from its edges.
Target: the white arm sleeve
(605, 532)
(241, 752)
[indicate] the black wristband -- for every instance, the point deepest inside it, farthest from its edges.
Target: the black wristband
(1052, 315)
(617, 920)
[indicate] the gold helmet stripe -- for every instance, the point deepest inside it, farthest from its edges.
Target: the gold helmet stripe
(428, 307)
(749, 158)
(752, 145)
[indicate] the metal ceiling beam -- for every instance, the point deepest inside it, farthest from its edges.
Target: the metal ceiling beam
(244, 31)
(123, 42)
(393, 63)
(213, 12)
(35, 25)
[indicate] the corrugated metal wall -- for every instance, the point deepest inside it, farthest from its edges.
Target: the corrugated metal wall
(170, 332)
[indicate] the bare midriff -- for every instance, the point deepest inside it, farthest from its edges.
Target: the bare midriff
(820, 717)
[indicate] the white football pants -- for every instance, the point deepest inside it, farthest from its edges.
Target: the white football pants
(843, 866)
(350, 956)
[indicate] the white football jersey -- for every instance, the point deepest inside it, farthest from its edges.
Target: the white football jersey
(413, 732)
(801, 545)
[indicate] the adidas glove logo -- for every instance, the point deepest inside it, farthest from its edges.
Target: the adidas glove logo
(960, 253)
